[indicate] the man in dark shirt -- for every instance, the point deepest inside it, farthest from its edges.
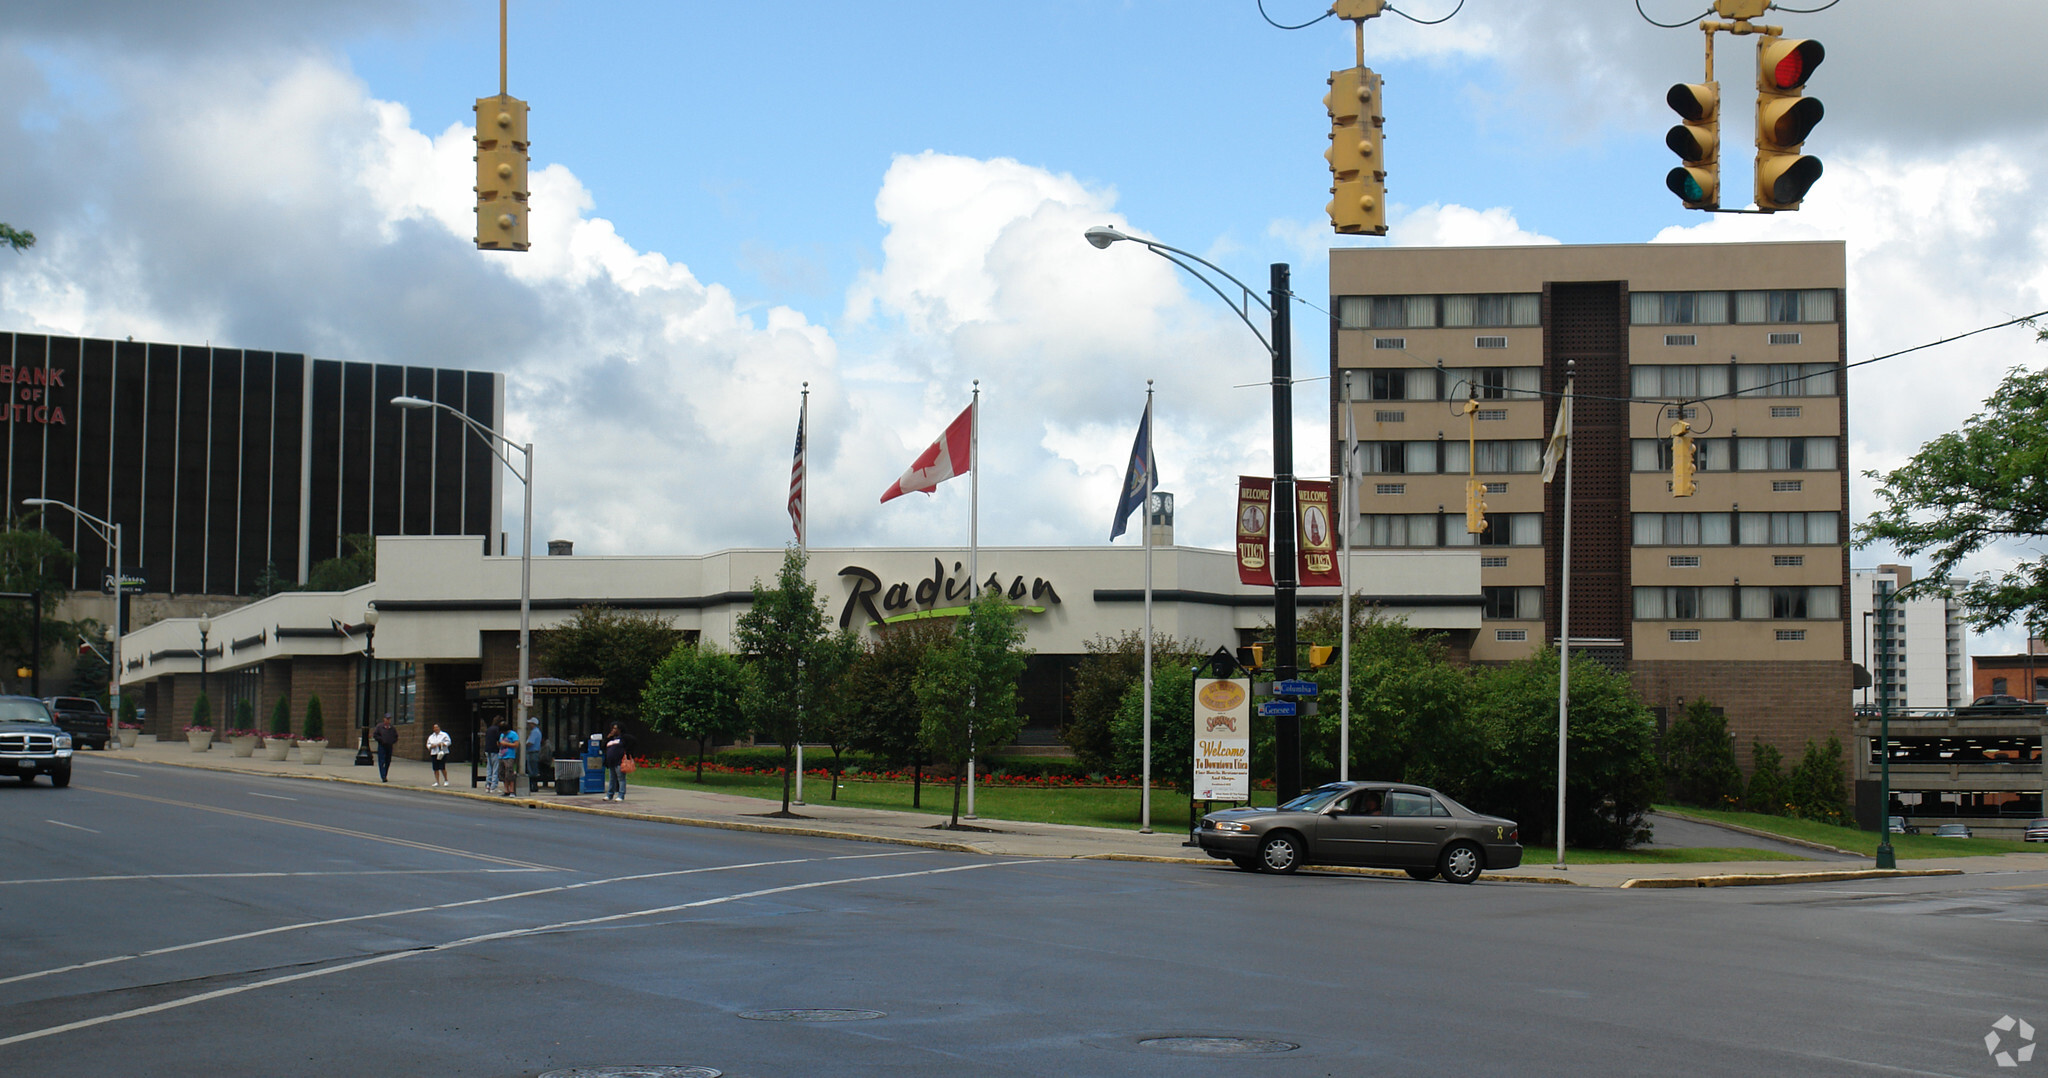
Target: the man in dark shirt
(386, 736)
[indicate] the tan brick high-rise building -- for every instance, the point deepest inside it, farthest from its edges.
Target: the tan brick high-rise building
(1737, 593)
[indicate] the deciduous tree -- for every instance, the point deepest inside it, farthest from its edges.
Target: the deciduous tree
(967, 688)
(798, 659)
(695, 693)
(620, 646)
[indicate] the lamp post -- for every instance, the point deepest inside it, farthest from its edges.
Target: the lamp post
(503, 447)
(108, 531)
(205, 627)
(363, 707)
(1286, 729)
(1885, 857)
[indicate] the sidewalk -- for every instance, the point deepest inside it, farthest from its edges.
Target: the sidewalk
(1005, 838)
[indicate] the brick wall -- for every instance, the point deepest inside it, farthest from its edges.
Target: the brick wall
(333, 679)
(274, 685)
(1780, 703)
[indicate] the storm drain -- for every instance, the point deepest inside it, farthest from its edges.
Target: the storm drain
(813, 1014)
(635, 1072)
(1217, 1046)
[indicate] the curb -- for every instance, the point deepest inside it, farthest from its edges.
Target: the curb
(1757, 832)
(1332, 870)
(1746, 879)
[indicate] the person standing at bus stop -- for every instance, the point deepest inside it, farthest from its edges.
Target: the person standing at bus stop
(508, 759)
(615, 764)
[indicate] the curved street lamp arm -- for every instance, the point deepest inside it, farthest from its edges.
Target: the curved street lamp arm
(498, 443)
(1198, 275)
(1250, 294)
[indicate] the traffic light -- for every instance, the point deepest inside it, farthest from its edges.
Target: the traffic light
(1682, 466)
(1475, 506)
(1321, 655)
(1697, 142)
(1358, 204)
(1252, 656)
(1784, 116)
(501, 174)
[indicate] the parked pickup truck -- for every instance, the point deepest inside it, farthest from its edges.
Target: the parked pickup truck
(31, 744)
(85, 720)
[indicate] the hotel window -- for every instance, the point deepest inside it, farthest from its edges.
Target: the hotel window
(1390, 385)
(1493, 383)
(1789, 305)
(1512, 529)
(1684, 529)
(1654, 454)
(1789, 529)
(1678, 380)
(1785, 379)
(1785, 454)
(1783, 604)
(1512, 604)
(1494, 457)
(1397, 458)
(1397, 529)
(1677, 308)
(1513, 309)
(1684, 604)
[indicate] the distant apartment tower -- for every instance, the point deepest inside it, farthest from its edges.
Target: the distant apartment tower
(1914, 648)
(1736, 594)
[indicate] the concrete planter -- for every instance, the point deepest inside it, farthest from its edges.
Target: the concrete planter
(310, 752)
(199, 740)
(277, 747)
(127, 737)
(244, 745)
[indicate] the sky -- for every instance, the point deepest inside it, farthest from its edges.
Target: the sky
(886, 201)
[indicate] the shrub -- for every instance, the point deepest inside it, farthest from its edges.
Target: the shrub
(1036, 767)
(1766, 793)
(202, 712)
(245, 715)
(1815, 788)
(316, 725)
(1699, 762)
(281, 718)
(128, 713)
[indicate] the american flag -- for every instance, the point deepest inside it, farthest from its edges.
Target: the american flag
(796, 475)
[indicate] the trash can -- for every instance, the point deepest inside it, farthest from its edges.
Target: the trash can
(568, 775)
(593, 765)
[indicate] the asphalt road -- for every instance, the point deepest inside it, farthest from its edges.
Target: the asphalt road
(173, 922)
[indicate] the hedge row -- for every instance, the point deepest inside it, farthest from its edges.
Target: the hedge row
(770, 758)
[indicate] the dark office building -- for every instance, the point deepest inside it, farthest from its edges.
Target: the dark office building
(218, 462)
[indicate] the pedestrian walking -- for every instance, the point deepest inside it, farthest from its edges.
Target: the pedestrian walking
(616, 764)
(508, 760)
(438, 744)
(386, 737)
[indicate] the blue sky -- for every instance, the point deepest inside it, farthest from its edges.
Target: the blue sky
(886, 200)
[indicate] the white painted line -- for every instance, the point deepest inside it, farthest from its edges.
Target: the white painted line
(303, 925)
(273, 797)
(152, 877)
(73, 826)
(492, 937)
(123, 774)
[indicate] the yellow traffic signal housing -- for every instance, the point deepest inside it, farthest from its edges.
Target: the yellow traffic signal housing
(1784, 117)
(501, 159)
(1697, 142)
(1252, 656)
(1357, 172)
(1475, 506)
(1682, 461)
(1321, 655)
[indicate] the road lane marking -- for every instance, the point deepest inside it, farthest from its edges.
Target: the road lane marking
(387, 839)
(303, 925)
(273, 797)
(73, 826)
(158, 876)
(123, 774)
(489, 937)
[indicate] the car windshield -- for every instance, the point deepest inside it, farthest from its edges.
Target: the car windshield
(1315, 799)
(23, 711)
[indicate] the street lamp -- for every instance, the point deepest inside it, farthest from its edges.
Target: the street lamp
(1886, 858)
(108, 531)
(363, 707)
(502, 447)
(205, 626)
(1286, 729)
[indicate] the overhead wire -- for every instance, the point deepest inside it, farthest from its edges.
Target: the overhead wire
(1670, 25)
(1427, 22)
(1807, 10)
(1311, 22)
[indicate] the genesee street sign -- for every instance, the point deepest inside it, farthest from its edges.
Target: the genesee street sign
(1276, 708)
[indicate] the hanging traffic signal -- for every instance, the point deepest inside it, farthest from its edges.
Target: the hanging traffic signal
(1321, 655)
(501, 174)
(1475, 506)
(1697, 142)
(1784, 117)
(1682, 461)
(1252, 656)
(1358, 175)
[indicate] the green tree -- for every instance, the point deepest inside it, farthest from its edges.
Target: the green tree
(967, 688)
(695, 693)
(202, 713)
(620, 646)
(245, 715)
(352, 570)
(1173, 727)
(1410, 707)
(32, 561)
(882, 713)
(1815, 788)
(798, 659)
(19, 239)
(1699, 760)
(281, 719)
(270, 582)
(1612, 775)
(129, 716)
(316, 721)
(1969, 489)
(1766, 792)
(1102, 678)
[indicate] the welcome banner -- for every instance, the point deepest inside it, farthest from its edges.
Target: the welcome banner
(1254, 530)
(1316, 540)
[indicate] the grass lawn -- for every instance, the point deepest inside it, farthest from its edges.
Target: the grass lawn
(1905, 847)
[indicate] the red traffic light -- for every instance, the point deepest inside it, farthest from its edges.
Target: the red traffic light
(1786, 64)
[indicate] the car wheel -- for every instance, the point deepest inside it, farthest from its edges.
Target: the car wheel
(1460, 862)
(1280, 853)
(1249, 864)
(1423, 874)
(59, 777)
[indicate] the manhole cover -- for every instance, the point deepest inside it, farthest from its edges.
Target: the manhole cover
(1217, 1046)
(635, 1072)
(812, 1014)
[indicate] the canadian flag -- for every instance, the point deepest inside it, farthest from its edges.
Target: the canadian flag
(950, 456)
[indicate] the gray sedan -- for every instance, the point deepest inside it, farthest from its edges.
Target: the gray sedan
(1376, 824)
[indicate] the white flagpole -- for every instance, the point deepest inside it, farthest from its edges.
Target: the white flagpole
(803, 546)
(1151, 481)
(973, 541)
(1564, 615)
(1346, 507)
